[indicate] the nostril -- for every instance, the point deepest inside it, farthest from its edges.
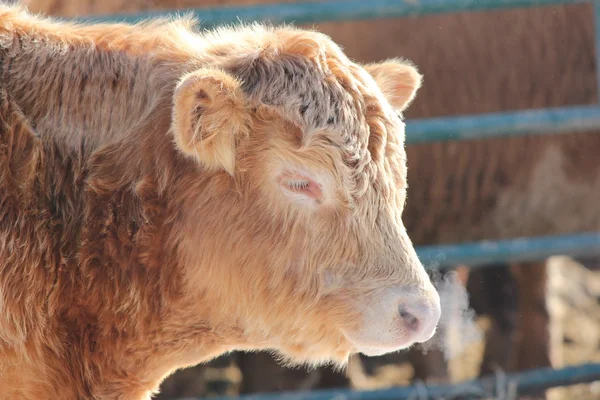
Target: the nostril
(410, 321)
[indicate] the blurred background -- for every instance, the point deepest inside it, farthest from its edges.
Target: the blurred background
(517, 316)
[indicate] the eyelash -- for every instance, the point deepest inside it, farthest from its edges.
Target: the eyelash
(297, 184)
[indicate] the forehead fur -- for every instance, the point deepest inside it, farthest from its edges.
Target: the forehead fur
(306, 76)
(308, 93)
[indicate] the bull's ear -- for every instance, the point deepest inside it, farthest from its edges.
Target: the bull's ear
(209, 116)
(399, 81)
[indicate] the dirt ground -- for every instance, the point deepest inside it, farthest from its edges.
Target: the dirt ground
(574, 305)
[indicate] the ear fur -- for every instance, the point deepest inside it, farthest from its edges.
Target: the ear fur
(209, 115)
(399, 81)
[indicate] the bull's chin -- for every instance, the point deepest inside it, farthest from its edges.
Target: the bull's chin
(300, 355)
(380, 351)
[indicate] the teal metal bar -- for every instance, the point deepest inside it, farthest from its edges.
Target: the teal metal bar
(480, 254)
(530, 382)
(336, 10)
(534, 122)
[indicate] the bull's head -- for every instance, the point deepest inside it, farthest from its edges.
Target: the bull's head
(298, 241)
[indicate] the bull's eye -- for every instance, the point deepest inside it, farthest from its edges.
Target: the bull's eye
(298, 184)
(300, 187)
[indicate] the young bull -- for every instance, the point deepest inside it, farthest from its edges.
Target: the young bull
(169, 196)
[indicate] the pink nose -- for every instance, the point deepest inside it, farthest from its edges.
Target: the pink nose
(420, 319)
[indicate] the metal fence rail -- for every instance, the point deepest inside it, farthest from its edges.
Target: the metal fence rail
(333, 10)
(484, 253)
(484, 126)
(495, 386)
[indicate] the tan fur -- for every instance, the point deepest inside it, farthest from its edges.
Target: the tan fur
(487, 189)
(124, 259)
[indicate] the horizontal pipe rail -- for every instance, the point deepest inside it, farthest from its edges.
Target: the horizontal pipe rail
(336, 10)
(529, 382)
(520, 123)
(481, 254)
